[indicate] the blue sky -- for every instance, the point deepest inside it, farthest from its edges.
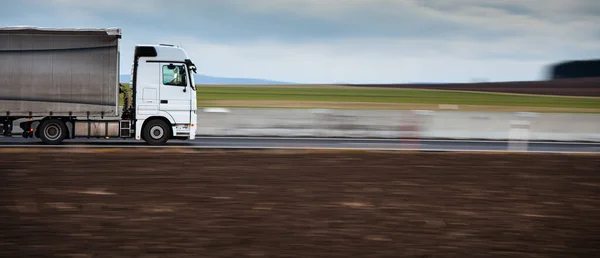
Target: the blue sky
(352, 41)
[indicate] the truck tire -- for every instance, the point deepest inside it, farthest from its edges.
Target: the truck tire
(52, 131)
(156, 132)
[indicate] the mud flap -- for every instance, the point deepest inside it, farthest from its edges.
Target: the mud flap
(6, 128)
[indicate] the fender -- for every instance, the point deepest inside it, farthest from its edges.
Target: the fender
(140, 122)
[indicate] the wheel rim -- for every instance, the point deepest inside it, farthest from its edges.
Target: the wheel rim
(52, 132)
(157, 132)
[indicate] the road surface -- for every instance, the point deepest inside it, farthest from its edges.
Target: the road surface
(320, 143)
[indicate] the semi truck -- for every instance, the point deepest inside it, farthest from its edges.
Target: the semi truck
(64, 83)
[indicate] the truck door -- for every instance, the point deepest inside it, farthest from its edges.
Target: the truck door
(175, 93)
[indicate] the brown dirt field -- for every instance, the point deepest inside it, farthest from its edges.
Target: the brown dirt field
(585, 87)
(133, 203)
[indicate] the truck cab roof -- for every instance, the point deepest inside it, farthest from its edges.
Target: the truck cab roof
(163, 52)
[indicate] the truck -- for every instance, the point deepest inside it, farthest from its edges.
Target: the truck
(64, 83)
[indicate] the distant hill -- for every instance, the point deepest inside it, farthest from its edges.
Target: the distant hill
(205, 79)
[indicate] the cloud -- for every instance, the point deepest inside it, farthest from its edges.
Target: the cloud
(350, 61)
(144, 7)
(344, 40)
(309, 19)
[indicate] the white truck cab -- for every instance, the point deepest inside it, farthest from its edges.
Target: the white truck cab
(164, 94)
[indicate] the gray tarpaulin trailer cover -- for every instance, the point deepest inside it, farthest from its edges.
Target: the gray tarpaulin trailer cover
(59, 71)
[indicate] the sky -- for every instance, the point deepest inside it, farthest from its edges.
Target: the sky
(342, 41)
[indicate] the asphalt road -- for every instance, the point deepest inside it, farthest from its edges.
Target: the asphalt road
(320, 143)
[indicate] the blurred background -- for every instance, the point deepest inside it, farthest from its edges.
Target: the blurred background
(334, 89)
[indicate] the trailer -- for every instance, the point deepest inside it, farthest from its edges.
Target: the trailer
(64, 84)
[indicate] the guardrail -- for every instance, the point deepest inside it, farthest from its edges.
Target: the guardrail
(413, 124)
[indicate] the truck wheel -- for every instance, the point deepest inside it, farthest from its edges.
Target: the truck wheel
(156, 132)
(52, 131)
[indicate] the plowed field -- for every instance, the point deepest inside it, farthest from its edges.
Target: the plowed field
(297, 204)
(586, 87)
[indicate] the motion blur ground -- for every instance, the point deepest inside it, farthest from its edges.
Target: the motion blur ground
(183, 203)
(113, 143)
(122, 198)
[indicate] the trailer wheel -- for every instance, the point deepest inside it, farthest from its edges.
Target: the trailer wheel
(52, 131)
(156, 132)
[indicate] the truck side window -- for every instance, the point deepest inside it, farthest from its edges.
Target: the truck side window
(175, 76)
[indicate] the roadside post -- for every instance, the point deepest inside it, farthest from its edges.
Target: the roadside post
(519, 133)
(411, 128)
(321, 122)
(423, 117)
(222, 115)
